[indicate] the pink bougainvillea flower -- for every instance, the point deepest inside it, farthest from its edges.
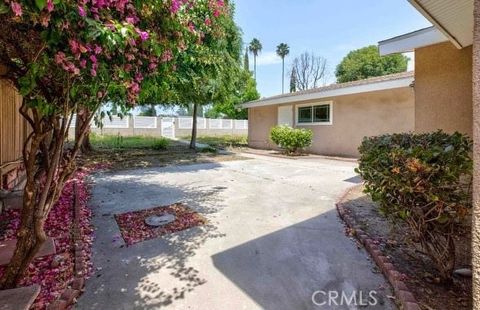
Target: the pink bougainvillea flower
(152, 66)
(216, 13)
(83, 63)
(50, 5)
(208, 22)
(93, 58)
(143, 35)
(166, 56)
(97, 49)
(59, 57)
(81, 11)
(74, 46)
(175, 6)
(16, 8)
(93, 72)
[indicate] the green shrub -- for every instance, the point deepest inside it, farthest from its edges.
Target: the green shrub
(208, 149)
(423, 179)
(291, 139)
(160, 144)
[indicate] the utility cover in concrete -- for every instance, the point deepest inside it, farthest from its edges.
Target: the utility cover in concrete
(8, 247)
(19, 298)
(159, 220)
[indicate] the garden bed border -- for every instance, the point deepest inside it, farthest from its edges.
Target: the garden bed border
(402, 292)
(70, 294)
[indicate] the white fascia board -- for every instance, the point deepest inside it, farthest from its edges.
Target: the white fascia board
(384, 85)
(410, 41)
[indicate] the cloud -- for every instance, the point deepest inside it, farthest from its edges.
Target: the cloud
(267, 58)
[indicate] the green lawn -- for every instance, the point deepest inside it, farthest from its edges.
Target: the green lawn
(133, 142)
(222, 141)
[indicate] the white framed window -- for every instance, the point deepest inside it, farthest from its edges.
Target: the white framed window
(314, 113)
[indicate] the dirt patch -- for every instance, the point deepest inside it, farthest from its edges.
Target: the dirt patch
(407, 256)
(134, 229)
(176, 154)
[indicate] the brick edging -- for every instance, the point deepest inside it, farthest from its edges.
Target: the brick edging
(69, 295)
(402, 292)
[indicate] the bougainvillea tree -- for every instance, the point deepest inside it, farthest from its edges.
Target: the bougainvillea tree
(69, 55)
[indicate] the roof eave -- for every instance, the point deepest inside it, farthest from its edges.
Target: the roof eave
(434, 21)
(357, 89)
(410, 41)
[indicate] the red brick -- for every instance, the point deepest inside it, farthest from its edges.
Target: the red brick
(411, 306)
(58, 304)
(79, 266)
(359, 231)
(400, 285)
(78, 283)
(393, 275)
(405, 296)
(387, 267)
(69, 295)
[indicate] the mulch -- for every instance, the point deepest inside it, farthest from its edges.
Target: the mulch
(134, 229)
(406, 256)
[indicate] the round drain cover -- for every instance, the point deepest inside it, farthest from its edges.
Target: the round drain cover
(159, 220)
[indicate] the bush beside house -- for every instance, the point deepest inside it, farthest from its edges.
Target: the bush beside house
(423, 179)
(291, 139)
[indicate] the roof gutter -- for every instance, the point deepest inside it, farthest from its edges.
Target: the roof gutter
(435, 22)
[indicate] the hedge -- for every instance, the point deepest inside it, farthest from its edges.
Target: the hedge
(423, 179)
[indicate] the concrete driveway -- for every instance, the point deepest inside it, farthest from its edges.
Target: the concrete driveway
(273, 239)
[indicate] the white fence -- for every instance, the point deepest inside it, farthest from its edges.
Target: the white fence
(168, 126)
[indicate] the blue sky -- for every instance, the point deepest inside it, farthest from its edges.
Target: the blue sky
(327, 28)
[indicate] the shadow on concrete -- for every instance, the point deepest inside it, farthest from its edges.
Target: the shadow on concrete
(124, 277)
(283, 269)
(355, 180)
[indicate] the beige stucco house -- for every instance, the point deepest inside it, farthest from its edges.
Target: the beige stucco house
(443, 79)
(437, 95)
(339, 115)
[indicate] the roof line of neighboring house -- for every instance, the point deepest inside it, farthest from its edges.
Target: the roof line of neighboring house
(391, 81)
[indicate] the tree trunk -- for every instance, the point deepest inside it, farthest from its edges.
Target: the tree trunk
(283, 73)
(476, 159)
(193, 140)
(255, 67)
(47, 168)
(82, 116)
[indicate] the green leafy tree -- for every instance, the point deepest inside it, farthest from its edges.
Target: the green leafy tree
(283, 50)
(73, 54)
(255, 48)
(246, 62)
(245, 91)
(148, 110)
(366, 62)
(207, 73)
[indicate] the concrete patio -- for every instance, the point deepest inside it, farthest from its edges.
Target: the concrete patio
(273, 238)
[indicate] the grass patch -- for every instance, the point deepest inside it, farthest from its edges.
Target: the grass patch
(222, 141)
(133, 142)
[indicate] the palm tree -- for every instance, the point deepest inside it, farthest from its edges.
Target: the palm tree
(282, 51)
(255, 47)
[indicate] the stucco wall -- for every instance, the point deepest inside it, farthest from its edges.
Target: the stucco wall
(354, 117)
(260, 120)
(443, 88)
